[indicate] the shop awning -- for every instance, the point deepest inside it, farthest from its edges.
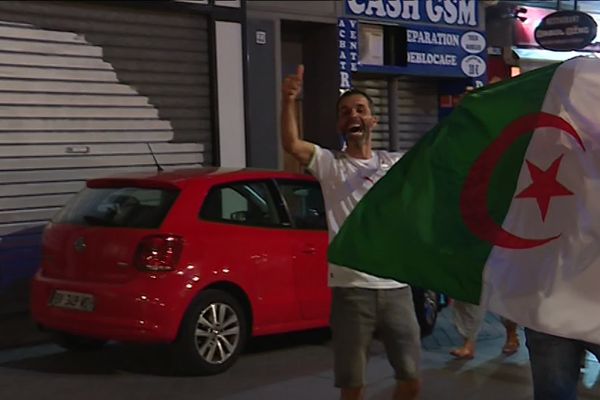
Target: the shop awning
(541, 55)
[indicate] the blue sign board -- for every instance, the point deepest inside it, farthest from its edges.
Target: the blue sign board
(441, 52)
(347, 50)
(464, 13)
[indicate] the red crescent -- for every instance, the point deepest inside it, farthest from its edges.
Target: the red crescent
(473, 199)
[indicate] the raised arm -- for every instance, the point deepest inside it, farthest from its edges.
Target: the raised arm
(298, 148)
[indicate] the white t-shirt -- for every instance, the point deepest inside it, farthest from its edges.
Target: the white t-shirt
(344, 181)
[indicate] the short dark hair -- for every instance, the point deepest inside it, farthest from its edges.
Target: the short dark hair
(353, 92)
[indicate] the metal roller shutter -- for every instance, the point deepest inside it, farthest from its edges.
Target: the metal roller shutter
(87, 89)
(416, 113)
(417, 109)
(378, 90)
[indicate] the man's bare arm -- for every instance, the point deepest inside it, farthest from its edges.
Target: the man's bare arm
(300, 149)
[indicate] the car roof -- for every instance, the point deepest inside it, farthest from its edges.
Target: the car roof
(182, 177)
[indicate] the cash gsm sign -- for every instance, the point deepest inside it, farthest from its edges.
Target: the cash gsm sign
(449, 12)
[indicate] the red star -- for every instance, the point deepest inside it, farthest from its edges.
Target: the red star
(544, 186)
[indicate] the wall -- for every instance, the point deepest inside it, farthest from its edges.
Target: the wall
(316, 11)
(263, 141)
(230, 89)
(321, 85)
(309, 30)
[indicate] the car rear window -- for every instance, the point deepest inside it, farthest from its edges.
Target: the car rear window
(127, 207)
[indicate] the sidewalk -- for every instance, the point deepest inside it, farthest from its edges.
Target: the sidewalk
(446, 336)
(287, 371)
(18, 329)
(490, 375)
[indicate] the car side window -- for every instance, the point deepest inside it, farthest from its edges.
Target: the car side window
(241, 203)
(304, 203)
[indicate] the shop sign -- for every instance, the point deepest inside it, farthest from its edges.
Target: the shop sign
(524, 30)
(566, 31)
(441, 52)
(446, 12)
(347, 50)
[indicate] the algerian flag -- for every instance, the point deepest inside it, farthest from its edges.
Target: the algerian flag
(500, 200)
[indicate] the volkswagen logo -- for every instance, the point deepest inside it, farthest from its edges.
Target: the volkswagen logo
(79, 245)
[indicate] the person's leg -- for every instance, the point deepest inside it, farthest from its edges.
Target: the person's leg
(352, 327)
(511, 346)
(555, 363)
(398, 328)
(407, 389)
(352, 393)
(467, 319)
(590, 373)
(594, 349)
(467, 351)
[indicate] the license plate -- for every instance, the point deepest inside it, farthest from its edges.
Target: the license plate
(72, 300)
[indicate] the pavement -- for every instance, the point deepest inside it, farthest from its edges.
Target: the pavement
(17, 329)
(269, 374)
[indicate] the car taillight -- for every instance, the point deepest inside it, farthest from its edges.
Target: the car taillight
(158, 253)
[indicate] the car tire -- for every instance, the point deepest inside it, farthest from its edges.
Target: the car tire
(426, 309)
(212, 335)
(77, 343)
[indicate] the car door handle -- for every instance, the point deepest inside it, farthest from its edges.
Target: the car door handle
(309, 250)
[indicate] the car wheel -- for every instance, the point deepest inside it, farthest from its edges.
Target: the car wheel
(426, 309)
(77, 343)
(212, 334)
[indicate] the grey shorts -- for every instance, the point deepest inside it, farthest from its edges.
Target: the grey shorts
(357, 316)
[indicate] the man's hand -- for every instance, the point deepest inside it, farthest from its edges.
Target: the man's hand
(290, 138)
(292, 85)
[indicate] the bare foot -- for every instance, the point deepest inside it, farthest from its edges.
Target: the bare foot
(463, 353)
(511, 346)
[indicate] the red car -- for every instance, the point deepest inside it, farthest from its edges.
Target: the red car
(201, 259)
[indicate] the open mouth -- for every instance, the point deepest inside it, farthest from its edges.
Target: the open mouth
(355, 127)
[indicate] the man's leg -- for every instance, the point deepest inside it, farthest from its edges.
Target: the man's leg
(594, 349)
(399, 330)
(407, 390)
(555, 364)
(467, 351)
(468, 319)
(352, 327)
(511, 346)
(592, 376)
(352, 393)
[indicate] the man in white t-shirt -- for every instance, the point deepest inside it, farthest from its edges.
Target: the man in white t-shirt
(364, 306)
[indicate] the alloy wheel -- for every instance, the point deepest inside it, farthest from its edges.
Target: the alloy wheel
(217, 333)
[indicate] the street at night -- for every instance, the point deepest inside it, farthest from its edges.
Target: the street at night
(287, 366)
